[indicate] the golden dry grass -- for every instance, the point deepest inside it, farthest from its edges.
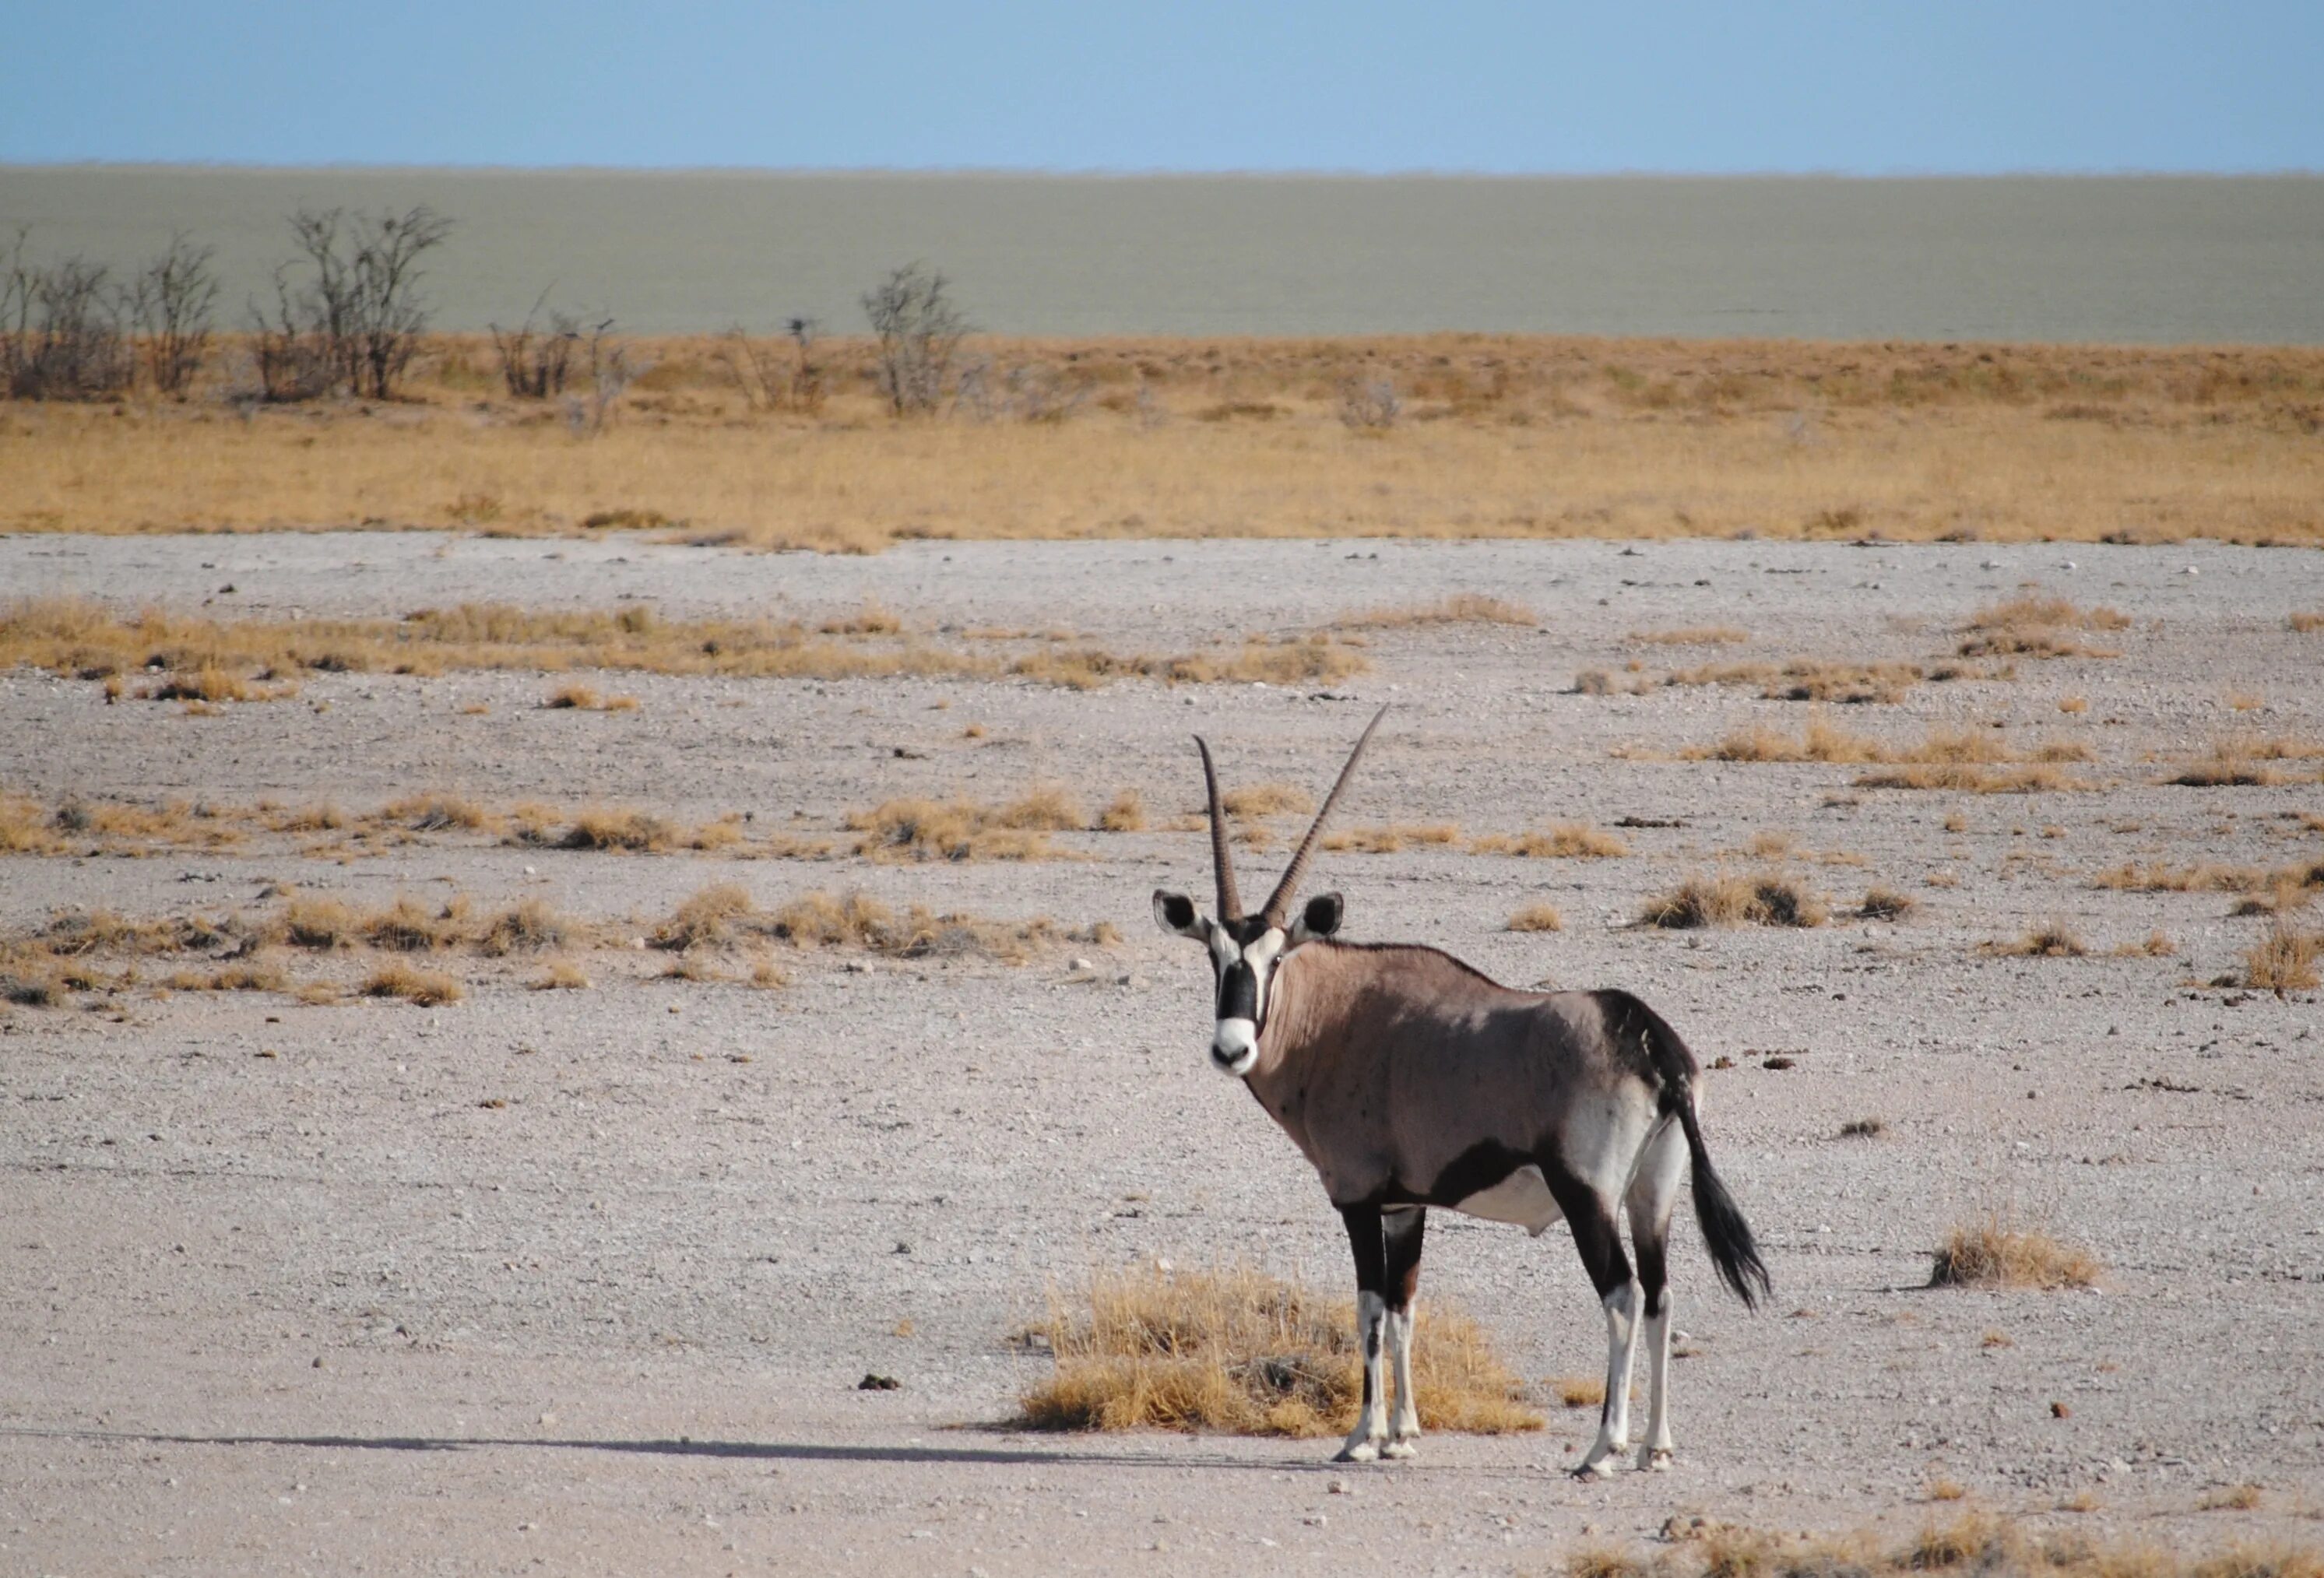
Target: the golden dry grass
(963, 830)
(1508, 436)
(204, 660)
(1537, 918)
(1966, 1542)
(421, 988)
(1811, 679)
(1887, 904)
(1726, 899)
(1701, 635)
(2049, 940)
(2284, 960)
(1125, 812)
(1390, 838)
(1241, 1351)
(2039, 627)
(1266, 799)
(2307, 622)
(1459, 608)
(1558, 841)
(1996, 1251)
(560, 976)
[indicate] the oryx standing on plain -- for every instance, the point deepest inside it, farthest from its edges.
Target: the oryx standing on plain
(1411, 1080)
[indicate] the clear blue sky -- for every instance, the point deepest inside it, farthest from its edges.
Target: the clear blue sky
(1858, 86)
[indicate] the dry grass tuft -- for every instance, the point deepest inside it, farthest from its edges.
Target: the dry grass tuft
(526, 927)
(709, 919)
(1266, 799)
(1811, 679)
(962, 830)
(1578, 1391)
(1391, 838)
(1243, 1352)
(1559, 841)
(1125, 813)
(560, 976)
(2052, 939)
(2039, 627)
(1770, 899)
(1821, 741)
(1887, 904)
(1537, 918)
(2228, 1499)
(421, 988)
(1707, 635)
(1998, 1253)
(1863, 1128)
(1460, 608)
(2307, 622)
(2284, 960)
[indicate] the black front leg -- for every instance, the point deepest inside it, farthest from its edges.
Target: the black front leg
(1366, 1239)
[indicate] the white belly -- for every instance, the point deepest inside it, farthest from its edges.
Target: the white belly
(1523, 1198)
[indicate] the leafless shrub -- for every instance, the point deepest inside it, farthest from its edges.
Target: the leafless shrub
(363, 299)
(611, 371)
(536, 362)
(171, 301)
(60, 331)
(919, 331)
(1862, 1128)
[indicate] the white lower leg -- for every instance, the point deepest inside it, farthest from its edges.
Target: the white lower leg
(1364, 1442)
(1614, 1430)
(1406, 1430)
(1657, 1451)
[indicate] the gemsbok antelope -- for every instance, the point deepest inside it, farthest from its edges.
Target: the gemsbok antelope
(1411, 1080)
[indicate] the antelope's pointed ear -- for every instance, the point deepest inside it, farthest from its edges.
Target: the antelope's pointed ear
(1175, 913)
(1319, 918)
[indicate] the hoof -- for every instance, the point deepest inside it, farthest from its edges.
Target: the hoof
(1357, 1452)
(1402, 1447)
(1601, 1468)
(1654, 1459)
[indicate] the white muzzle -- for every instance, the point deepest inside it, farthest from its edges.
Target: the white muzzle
(1235, 1047)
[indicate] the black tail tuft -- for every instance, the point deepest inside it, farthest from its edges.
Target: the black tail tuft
(1725, 1233)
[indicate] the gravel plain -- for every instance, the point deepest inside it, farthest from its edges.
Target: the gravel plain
(285, 1294)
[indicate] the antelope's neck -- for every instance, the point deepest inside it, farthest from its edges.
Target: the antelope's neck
(1303, 1024)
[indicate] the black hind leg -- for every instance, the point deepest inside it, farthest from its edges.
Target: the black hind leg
(1403, 1229)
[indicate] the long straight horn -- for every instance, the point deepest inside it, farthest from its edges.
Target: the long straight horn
(1229, 902)
(1278, 906)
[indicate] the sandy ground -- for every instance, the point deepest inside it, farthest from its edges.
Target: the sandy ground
(324, 1311)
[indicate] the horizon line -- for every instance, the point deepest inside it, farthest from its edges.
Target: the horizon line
(1159, 172)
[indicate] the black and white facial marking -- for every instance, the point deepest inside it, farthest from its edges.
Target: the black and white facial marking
(1244, 953)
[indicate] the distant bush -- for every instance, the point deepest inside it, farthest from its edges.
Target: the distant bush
(920, 330)
(170, 303)
(61, 331)
(536, 362)
(356, 319)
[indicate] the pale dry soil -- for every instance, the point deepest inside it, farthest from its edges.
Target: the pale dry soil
(326, 1311)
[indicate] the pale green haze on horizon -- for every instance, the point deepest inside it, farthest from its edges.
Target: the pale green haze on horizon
(2151, 259)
